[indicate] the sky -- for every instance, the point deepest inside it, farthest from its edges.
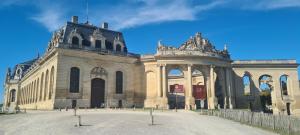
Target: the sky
(252, 29)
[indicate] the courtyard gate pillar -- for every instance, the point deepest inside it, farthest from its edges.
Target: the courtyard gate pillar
(190, 101)
(165, 83)
(165, 87)
(229, 87)
(158, 81)
(212, 88)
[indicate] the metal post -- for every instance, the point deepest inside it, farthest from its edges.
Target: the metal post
(79, 121)
(151, 116)
(74, 111)
(176, 101)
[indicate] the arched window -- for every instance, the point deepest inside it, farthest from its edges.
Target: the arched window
(118, 48)
(108, 45)
(13, 95)
(74, 80)
(46, 85)
(51, 82)
(246, 82)
(283, 85)
(86, 43)
(265, 83)
(75, 41)
(98, 44)
(119, 82)
(266, 87)
(41, 88)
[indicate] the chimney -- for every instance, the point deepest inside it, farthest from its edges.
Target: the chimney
(74, 19)
(105, 25)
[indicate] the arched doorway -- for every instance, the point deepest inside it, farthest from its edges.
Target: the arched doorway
(97, 93)
(199, 89)
(265, 85)
(176, 92)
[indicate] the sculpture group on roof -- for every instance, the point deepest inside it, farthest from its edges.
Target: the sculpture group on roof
(196, 43)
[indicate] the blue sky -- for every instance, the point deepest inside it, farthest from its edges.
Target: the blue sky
(252, 29)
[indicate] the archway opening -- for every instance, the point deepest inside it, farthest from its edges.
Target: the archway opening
(199, 89)
(98, 93)
(283, 85)
(176, 94)
(265, 85)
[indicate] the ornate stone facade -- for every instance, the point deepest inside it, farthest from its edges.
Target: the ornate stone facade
(87, 66)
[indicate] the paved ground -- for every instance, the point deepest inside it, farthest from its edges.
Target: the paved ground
(121, 122)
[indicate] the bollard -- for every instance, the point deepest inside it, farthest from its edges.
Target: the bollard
(175, 109)
(25, 110)
(151, 116)
(74, 111)
(152, 120)
(79, 121)
(60, 109)
(66, 108)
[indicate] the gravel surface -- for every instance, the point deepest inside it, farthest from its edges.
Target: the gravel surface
(121, 122)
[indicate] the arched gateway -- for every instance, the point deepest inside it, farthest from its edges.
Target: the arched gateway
(203, 82)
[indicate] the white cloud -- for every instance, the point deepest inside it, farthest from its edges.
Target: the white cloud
(277, 4)
(154, 11)
(50, 18)
(132, 13)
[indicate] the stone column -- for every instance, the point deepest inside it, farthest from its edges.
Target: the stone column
(165, 87)
(212, 88)
(158, 75)
(229, 87)
(189, 80)
(165, 81)
(190, 101)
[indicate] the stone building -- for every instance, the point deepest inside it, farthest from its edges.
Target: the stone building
(90, 67)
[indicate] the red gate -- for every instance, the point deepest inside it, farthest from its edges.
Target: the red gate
(199, 92)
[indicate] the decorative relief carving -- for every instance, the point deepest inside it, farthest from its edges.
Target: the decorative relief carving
(57, 37)
(194, 46)
(98, 72)
(98, 34)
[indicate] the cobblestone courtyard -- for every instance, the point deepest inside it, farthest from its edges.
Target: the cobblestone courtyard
(120, 122)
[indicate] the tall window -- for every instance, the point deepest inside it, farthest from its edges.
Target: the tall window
(283, 85)
(108, 45)
(119, 82)
(98, 44)
(74, 80)
(13, 95)
(118, 48)
(246, 82)
(75, 41)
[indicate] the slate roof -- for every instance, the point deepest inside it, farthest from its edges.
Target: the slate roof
(87, 30)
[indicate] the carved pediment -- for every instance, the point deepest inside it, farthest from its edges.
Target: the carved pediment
(98, 34)
(194, 45)
(98, 72)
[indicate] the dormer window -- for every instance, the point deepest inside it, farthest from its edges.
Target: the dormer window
(109, 45)
(118, 48)
(86, 43)
(98, 44)
(75, 41)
